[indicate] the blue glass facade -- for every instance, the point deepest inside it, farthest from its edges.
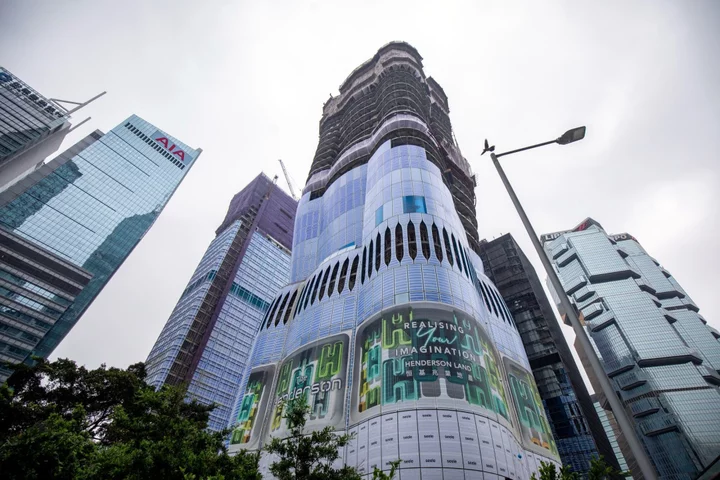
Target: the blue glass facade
(388, 327)
(610, 426)
(257, 266)
(87, 208)
(27, 120)
(654, 345)
(577, 429)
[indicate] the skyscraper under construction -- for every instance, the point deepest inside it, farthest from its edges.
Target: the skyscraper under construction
(388, 328)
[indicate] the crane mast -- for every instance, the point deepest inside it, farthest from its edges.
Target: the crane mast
(287, 179)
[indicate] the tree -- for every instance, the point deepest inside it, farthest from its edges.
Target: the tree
(548, 471)
(308, 456)
(380, 475)
(61, 421)
(601, 470)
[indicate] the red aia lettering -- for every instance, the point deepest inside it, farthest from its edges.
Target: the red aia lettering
(171, 147)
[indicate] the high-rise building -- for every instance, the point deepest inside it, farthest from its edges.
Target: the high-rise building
(68, 226)
(575, 424)
(655, 347)
(31, 127)
(611, 431)
(388, 327)
(206, 341)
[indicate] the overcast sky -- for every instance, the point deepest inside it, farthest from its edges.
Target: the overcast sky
(246, 81)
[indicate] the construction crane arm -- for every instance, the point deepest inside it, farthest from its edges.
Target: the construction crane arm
(287, 179)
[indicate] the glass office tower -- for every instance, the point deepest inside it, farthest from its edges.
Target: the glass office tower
(611, 430)
(575, 424)
(69, 225)
(31, 127)
(206, 341)
(388, 327)
(654, 345)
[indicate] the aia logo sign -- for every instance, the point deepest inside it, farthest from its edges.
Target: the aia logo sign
(170, 146)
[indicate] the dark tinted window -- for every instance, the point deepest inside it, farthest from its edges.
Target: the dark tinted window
(370, 260)
(424, 240)
(436, 242)
(412, 240)
(353, 273)
(378, 244)
(362, 268)
(289, 308)
(448, 248)
(399, 248)
(343, 274)
(323, 283)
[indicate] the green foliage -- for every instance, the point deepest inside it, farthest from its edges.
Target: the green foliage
(380, 475)
(548, 471)
(307, 456)
(61, 421)
(601, 470)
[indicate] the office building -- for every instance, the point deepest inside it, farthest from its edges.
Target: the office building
(31, 127)
(206, 341)
(654, 345)
(577, 429)
(611, 431)
(68, 226)
(388, 327)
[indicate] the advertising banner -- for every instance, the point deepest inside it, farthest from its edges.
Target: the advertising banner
(432, 356)
(317, 373)
(534, 426)
(253, 407)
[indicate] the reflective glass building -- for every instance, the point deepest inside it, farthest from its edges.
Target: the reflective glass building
(611, 430)
(575, 424)
(31, 127)
(654, 345)
(388, 328)
(206, 341)
(69, 225)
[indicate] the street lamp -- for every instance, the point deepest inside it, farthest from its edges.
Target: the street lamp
(626, 427)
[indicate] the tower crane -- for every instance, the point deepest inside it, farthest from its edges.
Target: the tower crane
(287, 179)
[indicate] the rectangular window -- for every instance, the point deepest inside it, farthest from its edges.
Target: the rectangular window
(414, 204)
(379, 216)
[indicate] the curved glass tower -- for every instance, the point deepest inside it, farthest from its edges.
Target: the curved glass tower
(389, 328)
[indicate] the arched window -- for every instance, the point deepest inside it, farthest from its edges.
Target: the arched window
(493, 303)
(481, 288)
(311, 285)
(388, 246)
(399, 247)
(378, 244)
(457, 254)
(281, 309)
(424, 240)
(462, 259)
(470, 267)
(289, 308)
(448, 248)
(271, 311)
(299, 303)
(436, 242)
(318, 278)
(370, 260)
(333, 277)
(362, 268)
(353, 272)
(412, 240)
(324, 282)
(343, 274)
